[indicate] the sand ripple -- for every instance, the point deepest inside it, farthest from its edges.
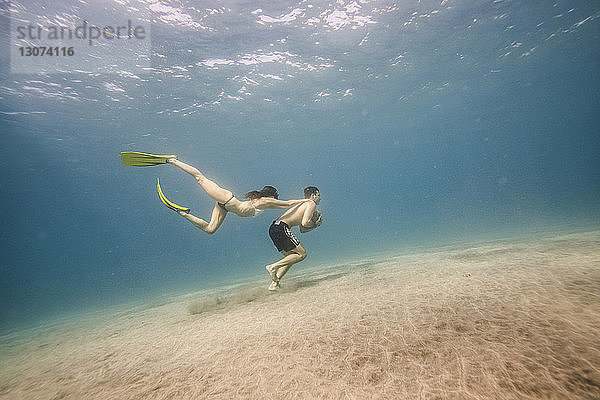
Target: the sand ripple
(510, 320)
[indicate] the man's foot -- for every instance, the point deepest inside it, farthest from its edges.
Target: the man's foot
(273, 272)
(274, 286)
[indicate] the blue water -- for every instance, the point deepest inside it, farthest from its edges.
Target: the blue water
(421, 123)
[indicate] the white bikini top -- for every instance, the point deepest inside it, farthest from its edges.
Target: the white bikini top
(257, 211)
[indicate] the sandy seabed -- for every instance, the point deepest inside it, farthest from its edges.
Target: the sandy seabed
(502, 320)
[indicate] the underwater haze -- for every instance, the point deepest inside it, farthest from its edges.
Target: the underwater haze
(421, 122)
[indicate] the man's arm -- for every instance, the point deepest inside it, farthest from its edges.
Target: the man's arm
(316, 219)
(307, 222)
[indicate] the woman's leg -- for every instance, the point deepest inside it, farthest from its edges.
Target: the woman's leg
(216, 219)
(218, 194)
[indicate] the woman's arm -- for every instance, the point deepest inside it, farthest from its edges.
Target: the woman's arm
(269, 202)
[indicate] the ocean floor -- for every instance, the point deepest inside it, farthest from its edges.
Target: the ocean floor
(504, 320)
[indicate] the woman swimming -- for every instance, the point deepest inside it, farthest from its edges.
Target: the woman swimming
(258, 201)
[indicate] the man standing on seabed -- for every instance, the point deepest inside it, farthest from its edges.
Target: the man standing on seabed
(307, 217)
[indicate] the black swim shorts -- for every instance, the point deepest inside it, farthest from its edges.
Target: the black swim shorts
(282, 236)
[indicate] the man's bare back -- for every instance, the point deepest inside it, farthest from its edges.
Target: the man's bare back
(295, 215)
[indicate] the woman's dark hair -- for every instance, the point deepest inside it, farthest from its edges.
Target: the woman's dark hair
(267, 191)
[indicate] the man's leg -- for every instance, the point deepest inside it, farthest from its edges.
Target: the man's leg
(290, 258)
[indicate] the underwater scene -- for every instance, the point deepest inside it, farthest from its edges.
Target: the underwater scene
(427, 171)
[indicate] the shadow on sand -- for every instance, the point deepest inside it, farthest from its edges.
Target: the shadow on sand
(227, 299)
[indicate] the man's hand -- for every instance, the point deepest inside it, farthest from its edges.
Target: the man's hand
(317, 218)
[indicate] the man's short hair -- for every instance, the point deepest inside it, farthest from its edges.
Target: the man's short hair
(309, 191)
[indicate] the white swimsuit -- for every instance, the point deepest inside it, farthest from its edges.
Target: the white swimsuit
(257, 211)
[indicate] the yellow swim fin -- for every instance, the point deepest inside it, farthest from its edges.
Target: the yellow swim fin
(138, 159)
(166, 201)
